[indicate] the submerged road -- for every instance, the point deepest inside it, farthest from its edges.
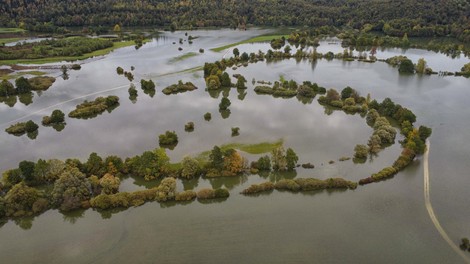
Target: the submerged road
(432, 215)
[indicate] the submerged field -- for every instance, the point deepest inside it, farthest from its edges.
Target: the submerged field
(281, 226)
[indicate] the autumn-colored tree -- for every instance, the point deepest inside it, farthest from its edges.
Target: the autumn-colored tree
(278, 159)
(109, 184)
(233, 162)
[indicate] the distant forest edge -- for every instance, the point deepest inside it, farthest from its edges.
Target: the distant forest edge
(417, 18)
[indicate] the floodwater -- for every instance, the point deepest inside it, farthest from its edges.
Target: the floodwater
(384, 222)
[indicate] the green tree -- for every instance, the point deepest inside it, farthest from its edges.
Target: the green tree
(224, 103)
(216, 158)
(361, 152)
(22, 85)
(57, 116)
(225, 80)
(244, 57)
(40, 171)
(11, 177)
(30, 126)
(291, 159)
(421, 66)
(117, 28)
(406, 66)
(190, 167)
(27, 170)
(236, 52)
(7, 88)
(264, 163)
(20, 200)
(70, 190)
(95, 165)
(241, 82)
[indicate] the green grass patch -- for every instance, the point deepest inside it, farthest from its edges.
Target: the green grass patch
(183, 57)
(9, 40)
(116, 45)
(251, 40)
(19, 74)
(259, 148)
(11, 30)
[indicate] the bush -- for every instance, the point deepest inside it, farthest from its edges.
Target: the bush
(258, 188)
(235, 131)
(205, 194)
(167, 139)
(290, 185)
(361, 152)
(207, 116)
(186, 196)
(224, 104)
(189, 127)
(221, 193)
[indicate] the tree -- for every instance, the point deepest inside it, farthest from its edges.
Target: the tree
(30, 126)
(236, 52)
(361, 151)
(225, 80)
(278, 159)
(22, 85)
(264, 163)
(346, 92)
(109, 184)
(55, 168)
(27, 170)
(20, 200)
(70, 190)
(95, 165)
(57, 116)
(216, 158)
(11, 177)
(405, 42)
(166, 191)
(233, 163)
(117, 28)
(7, 88)
(213, 82)
(190, 167)
(244, 57)
(241, 82)
(421, 66)
(291, 159)
(224, 103)
(40, 171)
(406, 66)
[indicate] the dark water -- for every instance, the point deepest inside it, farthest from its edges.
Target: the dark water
(381, 223)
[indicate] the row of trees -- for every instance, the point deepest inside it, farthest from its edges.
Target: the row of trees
(415, 17)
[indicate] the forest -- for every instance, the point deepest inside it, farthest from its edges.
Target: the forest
(415, 17)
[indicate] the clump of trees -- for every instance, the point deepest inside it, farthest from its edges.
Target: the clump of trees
(312, 184)
(21, 128)
(168, 140)
(226, 163)
(148, 87)
(258, 188)
(94, 108)
(189, 127)
(56, 118)
(207, 116)
(179, 88)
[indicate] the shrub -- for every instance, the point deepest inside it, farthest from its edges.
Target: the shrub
(186, 196)
(205, 194)
(207, 116)
(258, 188)
(235, 131)
(167, 139)
(288, 184)
(221, 193)
(189, 127)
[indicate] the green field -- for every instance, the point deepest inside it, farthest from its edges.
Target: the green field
(11, 30)
(116, 45)
(8, 40)
(22, 73)
(259, 148)
(251, 40)
(183, 57)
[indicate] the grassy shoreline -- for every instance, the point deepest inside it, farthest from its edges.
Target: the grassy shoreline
(251, 40)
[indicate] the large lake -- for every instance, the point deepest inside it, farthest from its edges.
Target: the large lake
(384, 222)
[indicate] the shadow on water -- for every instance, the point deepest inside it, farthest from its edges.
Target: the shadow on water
(73, 216)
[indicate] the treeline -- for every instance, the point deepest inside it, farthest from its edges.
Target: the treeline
(415, 17)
